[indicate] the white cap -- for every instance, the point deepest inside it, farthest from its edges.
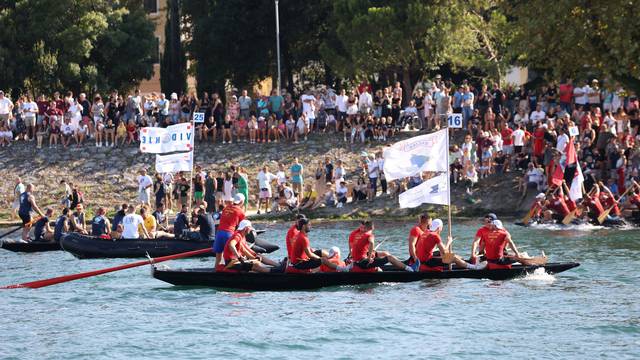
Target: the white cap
(174, 96)
(334, 251)
(498, 224)
(540, 196)
(436, 224)
(244, 224)
(238, 198)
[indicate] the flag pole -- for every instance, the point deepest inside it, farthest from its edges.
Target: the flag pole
(448, 186)
(193, 159)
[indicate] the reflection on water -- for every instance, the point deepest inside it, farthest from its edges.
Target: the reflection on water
(590, 311)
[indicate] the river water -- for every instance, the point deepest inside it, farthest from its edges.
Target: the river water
(592, 311)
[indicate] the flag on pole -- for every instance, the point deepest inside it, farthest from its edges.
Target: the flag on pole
(432, 191)
(558, 175)
(575, 191)
(177, 137)
(174, 163)
(415, 155)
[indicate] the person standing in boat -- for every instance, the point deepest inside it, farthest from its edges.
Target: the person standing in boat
(495, 240)
(238, 257)
(428, 241)
(27, 205)
(62, 225)
(100, 224)
(367, 259)
(17, 191)
(230, 217)
(181, 223)
(132, 223)
(42, 230)
(424, 224)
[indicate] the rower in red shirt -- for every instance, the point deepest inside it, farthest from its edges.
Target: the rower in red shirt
(333, 258)
(366, 259)
(230, 217)
(238, 257)
(495, 240)
(538, 207)
(424, 222)
(303, 258)
(478, 244)
(291, 235)
(592, 201)
(608, 200)
(427, 243)
(559, 206)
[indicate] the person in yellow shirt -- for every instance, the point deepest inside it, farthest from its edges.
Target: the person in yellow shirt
(149, 223)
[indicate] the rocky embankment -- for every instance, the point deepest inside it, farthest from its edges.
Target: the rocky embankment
(107, 176)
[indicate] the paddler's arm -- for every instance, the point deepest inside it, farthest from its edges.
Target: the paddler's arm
(474, 247)
(32, 200)
(512, 245)
(447, 246)
(310, 253)
(412, 246)
(232, 244)
(371, 248)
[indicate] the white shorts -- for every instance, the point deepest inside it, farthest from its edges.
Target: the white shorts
(265, 194)
(144, 195)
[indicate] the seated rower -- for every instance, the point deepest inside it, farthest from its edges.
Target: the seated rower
(303, 258)
(428, 242)
(100, 224)
(205, 224)
(486, 227)
(291, 235)
(559, 206)
(608, 200)
(77, 222)
(181, 223)
(238, 257)
(424, 224)
(62, 225)
(495, 240)
(593, 204)
(352, 239)
(538, 207)
(149, 223)
(42, 230)
(132, 225)
(367, 259)
(162, 220)
(116, 224)
(333, 258)
(632, 205)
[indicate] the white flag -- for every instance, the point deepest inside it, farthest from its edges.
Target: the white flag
(174, 138)
(575, 191)
(432, 191)
(412, 156)
(174, 163)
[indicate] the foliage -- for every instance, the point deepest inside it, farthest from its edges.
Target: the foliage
(173, 67)
(74, 44)
(579, 38)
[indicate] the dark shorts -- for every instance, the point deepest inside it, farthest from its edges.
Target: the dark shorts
(434, 262)
(308, 264)
(26, 218)
(517, 149)
(502, 261)
(377, 262)
(241, 266)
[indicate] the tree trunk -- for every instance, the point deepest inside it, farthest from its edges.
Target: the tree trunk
(407, 85)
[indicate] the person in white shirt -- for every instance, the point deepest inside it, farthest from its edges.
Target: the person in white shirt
(302, 128)
(521, 117)
(281, 175)
(341, 193)
(365, 102)
(309, 107)
(563, 139)
(372, 171)
(518, 139)
(341, 105)
(538, 114)
(132, 223)
(6, 108)
(339, 172)
(533, 177)
(264, 184)
(383, 180)
(144, 187)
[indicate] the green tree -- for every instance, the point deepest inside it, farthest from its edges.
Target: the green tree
(74, 44)
(173, 66)
(579, 38)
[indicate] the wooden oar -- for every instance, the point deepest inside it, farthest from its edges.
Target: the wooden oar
(61, 279)
(570, 216)
(527, 218)
(604, 215)
(20, 227)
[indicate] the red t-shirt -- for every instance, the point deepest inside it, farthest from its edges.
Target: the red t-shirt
(335, 260)
(361, 246)
(481, 233)
(495, 242)
(506, 136)
(352, 239)
(291, 235)
(426, 243)
(42, 107)
(230, 218)
(227, 253)
(416, 231)
(566, 93)
(300, 243)
(560, 206)
(635, 199)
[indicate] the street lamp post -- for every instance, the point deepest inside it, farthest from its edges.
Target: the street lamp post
(278, 45)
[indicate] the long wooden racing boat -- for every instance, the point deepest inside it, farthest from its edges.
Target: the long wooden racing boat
(30, 246)
(284, 281)
(90, 247)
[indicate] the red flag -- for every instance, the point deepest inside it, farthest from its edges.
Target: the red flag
(572, 157)
(558, 176)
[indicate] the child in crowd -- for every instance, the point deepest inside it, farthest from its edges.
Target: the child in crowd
(121, 134)
(131, 132)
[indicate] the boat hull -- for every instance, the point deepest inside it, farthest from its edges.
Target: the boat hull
(31, 246)
(206, 277)
(89, 247)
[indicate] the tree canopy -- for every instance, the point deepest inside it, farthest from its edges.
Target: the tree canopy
(74, 44)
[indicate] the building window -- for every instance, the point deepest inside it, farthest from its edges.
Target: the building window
(156, 54)
(151, 6)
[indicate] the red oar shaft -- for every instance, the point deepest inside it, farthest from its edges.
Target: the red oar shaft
(61, 279)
